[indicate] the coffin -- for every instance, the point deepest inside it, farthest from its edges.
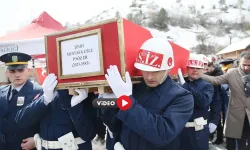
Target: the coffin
(81, 56)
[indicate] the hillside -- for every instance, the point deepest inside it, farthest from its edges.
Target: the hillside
(199, 25)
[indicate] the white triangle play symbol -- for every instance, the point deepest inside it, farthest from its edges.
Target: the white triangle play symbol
(124, 103)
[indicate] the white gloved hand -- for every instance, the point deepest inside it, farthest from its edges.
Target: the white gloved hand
(118, 146)
(180, 77)
(118, 86)
(212, 127)
(48, 86)
(76, 99)
(107, 95)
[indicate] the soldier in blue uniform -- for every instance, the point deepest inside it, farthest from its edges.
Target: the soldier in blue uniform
(19, 93)
(195, 135)
(160, 107)
(66, 122)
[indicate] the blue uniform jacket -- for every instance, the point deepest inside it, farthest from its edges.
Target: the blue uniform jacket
(11, 135)
(202, 92)
(156, 117)
(59, 118)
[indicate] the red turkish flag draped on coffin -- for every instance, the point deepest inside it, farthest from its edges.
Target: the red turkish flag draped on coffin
(181, 56)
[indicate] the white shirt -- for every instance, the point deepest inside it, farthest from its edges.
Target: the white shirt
(17, 88)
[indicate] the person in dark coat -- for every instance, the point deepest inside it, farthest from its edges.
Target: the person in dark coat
(14, 96)
(215, 119)
(66, 122)
(160, 107)
(195, 135)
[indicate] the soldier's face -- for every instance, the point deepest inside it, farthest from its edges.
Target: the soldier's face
(18, 77)
(194, 73)
(245, 65)
(210, 69)
(154, 78)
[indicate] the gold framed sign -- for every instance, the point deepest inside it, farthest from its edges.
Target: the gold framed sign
(80, 55)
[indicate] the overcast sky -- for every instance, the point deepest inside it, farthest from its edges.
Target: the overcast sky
(17, 13)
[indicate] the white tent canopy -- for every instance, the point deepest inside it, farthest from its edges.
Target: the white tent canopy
(235, 46)
(33, 47)
(30, 46)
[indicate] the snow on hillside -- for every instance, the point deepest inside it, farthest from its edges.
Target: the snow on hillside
(183, 36)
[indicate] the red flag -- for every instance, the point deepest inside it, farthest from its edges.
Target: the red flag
(41, 74)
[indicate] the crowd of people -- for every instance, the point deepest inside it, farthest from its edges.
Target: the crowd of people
(166, 114)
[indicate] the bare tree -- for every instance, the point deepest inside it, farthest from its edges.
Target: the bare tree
(222, 2)
(193, 11)
(214, 7)
(240, 3)
(152, 6)
(130, 16)
(134, 3)
(203, 19)
(178, 1)
(231, 36)
(117, 14)
(67, 25)
(202, 37)
(137, 18)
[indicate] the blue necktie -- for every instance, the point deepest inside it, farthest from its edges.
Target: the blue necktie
(14, 92)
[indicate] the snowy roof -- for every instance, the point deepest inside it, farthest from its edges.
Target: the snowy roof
(235, 46)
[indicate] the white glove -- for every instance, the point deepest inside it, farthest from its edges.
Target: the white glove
(118, 86)
(212, 127)
(38, 141)
(48, 86)
(76, 99)
(118, 146)
(107, 95)
(180, 77)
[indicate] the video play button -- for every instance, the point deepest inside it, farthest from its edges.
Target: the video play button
(124, 102)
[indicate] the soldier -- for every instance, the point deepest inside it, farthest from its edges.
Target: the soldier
(66, 122)
(205, 61)
(160, 107)
(226, 64)
(195, 135)
(14, 96)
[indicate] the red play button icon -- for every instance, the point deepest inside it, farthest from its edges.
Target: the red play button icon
(124, 102)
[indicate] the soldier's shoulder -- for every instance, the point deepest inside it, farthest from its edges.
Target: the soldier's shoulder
(205, 82)
(4, 86)
(36, 86)
(179, 89)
